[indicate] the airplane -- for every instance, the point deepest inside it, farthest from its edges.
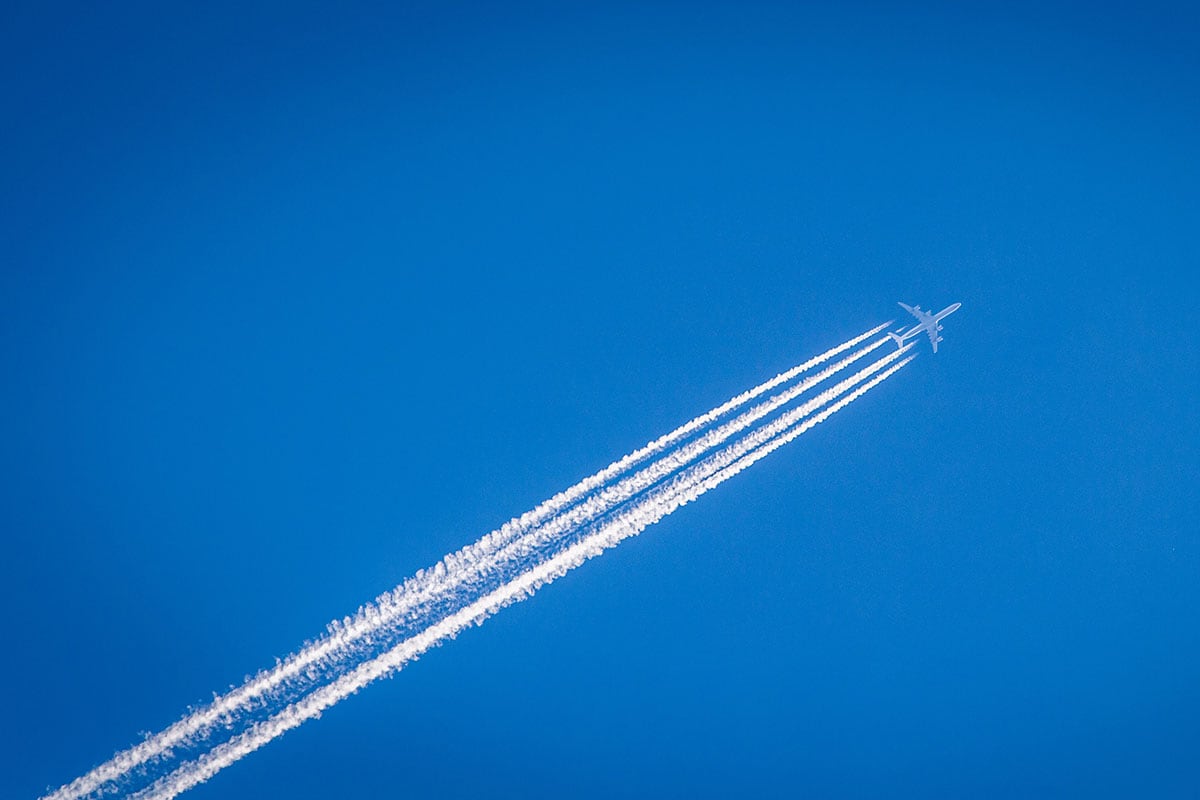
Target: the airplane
(926, 321)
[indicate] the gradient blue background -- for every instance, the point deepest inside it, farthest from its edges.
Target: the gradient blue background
(296, 299)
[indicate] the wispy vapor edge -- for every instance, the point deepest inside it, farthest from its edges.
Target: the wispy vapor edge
(250, 694)
(621, 526)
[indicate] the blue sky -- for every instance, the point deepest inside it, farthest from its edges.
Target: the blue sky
(296, 300)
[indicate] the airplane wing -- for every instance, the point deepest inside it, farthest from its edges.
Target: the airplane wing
(933, 337)
(909, 309)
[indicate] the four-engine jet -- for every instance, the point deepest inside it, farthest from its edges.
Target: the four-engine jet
(926, 321)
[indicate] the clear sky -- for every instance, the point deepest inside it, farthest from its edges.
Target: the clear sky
(294, 300)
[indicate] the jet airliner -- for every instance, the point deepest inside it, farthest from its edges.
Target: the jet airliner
(926, 321)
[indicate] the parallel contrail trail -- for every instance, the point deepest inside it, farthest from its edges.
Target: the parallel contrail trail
(627, 523)
(223, 710)
(504, 546)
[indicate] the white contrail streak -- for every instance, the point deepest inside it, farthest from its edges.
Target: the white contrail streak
(624, 524)
(224, 710)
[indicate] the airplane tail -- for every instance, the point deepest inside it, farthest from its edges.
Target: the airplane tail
(897, 338)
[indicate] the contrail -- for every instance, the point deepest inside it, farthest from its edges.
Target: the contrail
(503, 547)
(630, 522)
(224, 710)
